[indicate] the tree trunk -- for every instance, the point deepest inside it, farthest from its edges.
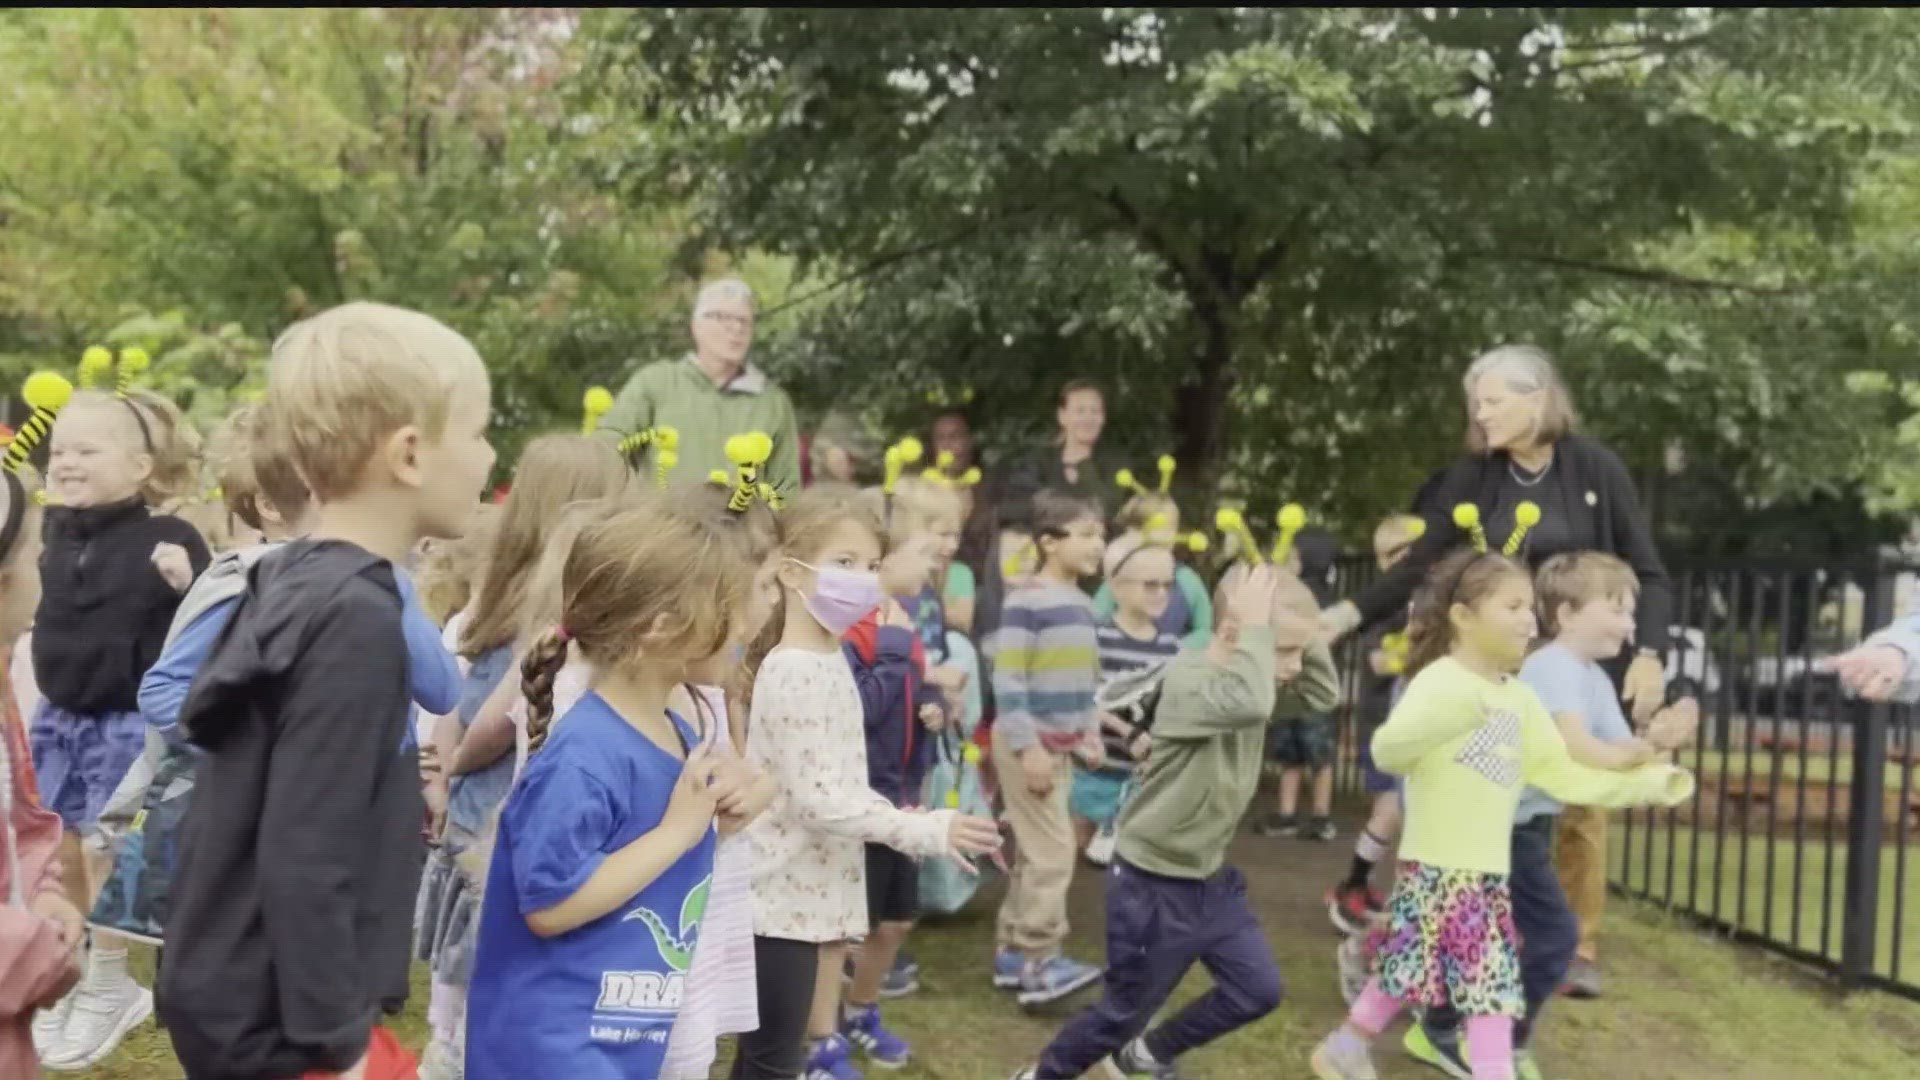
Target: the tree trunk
(1200, 405)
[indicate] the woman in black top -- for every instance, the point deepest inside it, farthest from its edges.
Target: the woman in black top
(1522, 448)
(1072, 463)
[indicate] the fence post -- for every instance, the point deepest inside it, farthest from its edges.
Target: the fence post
(1866, 799)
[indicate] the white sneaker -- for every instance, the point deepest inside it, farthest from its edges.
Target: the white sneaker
(101, 1020)
(50, 1026)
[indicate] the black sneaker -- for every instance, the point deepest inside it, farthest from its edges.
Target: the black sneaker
(1276, 824)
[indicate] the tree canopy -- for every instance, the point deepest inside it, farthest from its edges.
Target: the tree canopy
(1281, 233)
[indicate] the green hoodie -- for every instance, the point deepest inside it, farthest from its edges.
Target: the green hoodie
(1209, 742)
(677, 394)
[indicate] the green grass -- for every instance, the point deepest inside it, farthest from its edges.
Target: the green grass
(1820, 767)
(1820, 884)
(1681, 1004)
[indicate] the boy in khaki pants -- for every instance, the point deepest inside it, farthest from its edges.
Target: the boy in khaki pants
(1046, 666)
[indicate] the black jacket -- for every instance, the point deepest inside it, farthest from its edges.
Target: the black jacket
(300, 855)
(1609, 521)
(104, 609)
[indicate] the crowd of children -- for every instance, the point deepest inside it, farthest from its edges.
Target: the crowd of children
(641, 762)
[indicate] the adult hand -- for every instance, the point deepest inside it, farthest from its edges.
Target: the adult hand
(1036, 767)
(1644, 687)
(1874, 672)
(1675, 726)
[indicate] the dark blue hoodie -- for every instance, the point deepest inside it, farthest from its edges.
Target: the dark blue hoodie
(888, 663)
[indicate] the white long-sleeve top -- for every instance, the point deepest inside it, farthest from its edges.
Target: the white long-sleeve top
(806, 729)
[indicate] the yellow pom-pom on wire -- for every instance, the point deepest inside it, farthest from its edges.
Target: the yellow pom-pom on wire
(971, 477)
(1525, 517)
(46, 392)
(134, 363)
(1291, 519)
(1197, 542)
(1416, 528)
(717, 477)
(594, 405)
(663, 463)
(1233, 523)
(943, 461)
(95, 365)
(748, 451)
(1126, 480)
(898, 456)
(1167, 465)
(668, 438)
(1466, 517)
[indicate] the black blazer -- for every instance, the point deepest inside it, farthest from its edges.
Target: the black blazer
(1612, 523)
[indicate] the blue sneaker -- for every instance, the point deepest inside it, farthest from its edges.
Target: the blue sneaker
(1049, 980)
(1007, 966)
(883, 1048)
(831, 1059)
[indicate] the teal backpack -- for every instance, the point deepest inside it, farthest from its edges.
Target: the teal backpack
(953, 783)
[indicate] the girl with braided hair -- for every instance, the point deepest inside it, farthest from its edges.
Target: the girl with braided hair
(598, 887)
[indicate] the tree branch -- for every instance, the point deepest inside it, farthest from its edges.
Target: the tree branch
(1647, 275)
(894, 257)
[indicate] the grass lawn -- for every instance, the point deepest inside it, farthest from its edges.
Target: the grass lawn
(1821, 891)
(1681, 1004)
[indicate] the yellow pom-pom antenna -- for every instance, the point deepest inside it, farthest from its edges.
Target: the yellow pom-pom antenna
(1126, 481)
(1021, 562)
(1167, 465)
(663, 463)
(910, 450)
(1395, 646)
(1525, 517)
(748, 451)
(717, 477)
(932, 475)
(1233, 523)
(1466, 517)
(1197, 542)
(635, 443)
(1291, 519)
(898, 456)
(1416, 528)
(95, 365)
(770, 496)
(134, 363)
(593, 406)
(971, 477)
(668, 438)
(943, 461)
(46, 392)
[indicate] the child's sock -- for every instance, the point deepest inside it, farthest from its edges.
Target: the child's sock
(1367, 851)
(1490, 1047)
(107, 968)
(1373, 1010)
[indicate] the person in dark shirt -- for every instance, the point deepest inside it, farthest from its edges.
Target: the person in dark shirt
(300, 855)
(112, 577)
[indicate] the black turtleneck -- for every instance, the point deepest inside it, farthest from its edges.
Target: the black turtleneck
(104, 609)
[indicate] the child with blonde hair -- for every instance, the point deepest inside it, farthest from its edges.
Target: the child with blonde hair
(1153, 517)
(601, 872)
(113, 575)
(289, 920)
(447, 569)
(1469, 736)
(554, 471)
(809, 895)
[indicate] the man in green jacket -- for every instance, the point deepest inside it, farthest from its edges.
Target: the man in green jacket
(712, 394)
(1171, 898)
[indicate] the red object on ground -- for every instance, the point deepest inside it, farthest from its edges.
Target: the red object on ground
(500, 493)
(386, 1060)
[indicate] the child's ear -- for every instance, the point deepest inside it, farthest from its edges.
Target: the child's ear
(401, 456)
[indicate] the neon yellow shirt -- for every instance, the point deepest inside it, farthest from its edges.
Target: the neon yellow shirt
(1468, 747)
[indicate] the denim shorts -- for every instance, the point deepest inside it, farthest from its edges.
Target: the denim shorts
(81, 759)
(1304, 741)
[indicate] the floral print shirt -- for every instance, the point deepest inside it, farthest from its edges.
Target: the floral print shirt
(806, 730)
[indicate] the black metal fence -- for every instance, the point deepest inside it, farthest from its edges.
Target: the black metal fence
(1801, 831)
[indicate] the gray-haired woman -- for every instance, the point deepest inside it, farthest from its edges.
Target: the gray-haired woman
(1521, 448)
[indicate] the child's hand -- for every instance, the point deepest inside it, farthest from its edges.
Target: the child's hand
(1110, 722)
(948, 677)
(1380, 662)
(1141, 746)
(691, 807)
(174, 566)
(932, 715)
(1036, 766)
(57, 909)
(1091, 751)
(1675, 726)
(739, 810)
(970, 836)
(1250, 599)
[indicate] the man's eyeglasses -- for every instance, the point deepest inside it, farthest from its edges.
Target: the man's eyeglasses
(730, 320)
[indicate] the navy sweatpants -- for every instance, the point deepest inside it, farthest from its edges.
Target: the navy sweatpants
(1157, 927)
(1549, 933)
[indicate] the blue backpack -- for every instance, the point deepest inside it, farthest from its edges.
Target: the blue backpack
(953, 783)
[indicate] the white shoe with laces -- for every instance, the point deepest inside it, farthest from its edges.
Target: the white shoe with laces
(102, 1018)
(50, 1026)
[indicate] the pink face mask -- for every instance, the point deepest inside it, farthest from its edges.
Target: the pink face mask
(842, 597)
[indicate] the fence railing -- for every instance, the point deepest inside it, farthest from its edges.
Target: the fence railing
(1801, 831)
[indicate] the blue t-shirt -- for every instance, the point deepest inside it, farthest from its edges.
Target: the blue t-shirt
(1569, 684)
(597, 1002)
(472, 796)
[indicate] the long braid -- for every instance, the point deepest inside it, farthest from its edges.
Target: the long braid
(545, 658)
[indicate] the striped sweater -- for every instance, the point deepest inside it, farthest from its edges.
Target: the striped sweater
(1046, 666)
(1121, 653)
